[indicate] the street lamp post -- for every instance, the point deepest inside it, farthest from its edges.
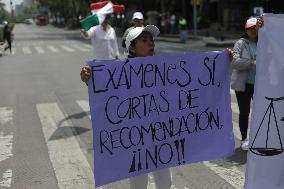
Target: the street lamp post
(194, 3)
(266, 6)
(11, 6)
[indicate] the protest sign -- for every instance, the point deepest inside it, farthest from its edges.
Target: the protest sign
(265, 155)
(158, 112)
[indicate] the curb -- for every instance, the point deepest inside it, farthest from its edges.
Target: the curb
(212, 42)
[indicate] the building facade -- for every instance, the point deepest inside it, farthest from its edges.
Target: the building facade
(221, 14)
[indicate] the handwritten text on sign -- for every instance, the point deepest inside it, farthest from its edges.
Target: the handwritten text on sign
(159, 112)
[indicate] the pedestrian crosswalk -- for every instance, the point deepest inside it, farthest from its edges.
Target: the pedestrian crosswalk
(53, 49)
(27, 50)
(6, 144)
(41, 48)
(66, 48)
(6, 179)
(70, 165)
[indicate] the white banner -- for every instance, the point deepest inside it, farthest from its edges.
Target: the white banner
(265, 167)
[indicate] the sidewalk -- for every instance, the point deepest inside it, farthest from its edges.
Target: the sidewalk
(210, 38)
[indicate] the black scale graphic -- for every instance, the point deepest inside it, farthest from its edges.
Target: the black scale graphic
(266, 150)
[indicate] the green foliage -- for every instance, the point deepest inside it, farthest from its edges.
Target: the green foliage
(4, 15)
(1, 33)
(30, 10)
(71, 10)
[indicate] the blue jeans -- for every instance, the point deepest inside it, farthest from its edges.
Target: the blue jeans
(183, 35)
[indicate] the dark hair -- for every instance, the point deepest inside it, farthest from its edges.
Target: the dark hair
(132, 44)
(108, 17)
(245, 35)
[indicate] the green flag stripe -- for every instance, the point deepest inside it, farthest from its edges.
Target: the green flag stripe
(89, 22)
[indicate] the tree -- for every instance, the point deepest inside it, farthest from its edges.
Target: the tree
(70, 10)
(4, 15)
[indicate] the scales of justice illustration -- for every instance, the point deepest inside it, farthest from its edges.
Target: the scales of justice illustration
(264, 149)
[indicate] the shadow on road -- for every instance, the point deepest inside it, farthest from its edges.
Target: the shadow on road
(64, 132)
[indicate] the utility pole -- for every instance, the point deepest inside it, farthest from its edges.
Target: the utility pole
(183, 8)
(194, 3)
(266, 6)
(12, 10)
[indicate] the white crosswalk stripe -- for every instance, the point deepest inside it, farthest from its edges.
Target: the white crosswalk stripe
(85, 106)
(13, 51)
(7, 179)
(228, 172)
(87, 46)
(27, 50)
(66, 48)
(39, 50)
(235, 107)
(6, 140)
(6, 143)
(71, 168)
(43, 48)
(80, 48)
(53, 49)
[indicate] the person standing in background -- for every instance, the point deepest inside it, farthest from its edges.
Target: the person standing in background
(138, 21)
(183, 29)
(163, 23)
(7, 36)
(104, 41)
(173, 23)
(243, 73)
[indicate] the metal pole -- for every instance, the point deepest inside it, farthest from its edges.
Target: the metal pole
(11, 7)
(163, 6)
(183, 8)
(195, 19)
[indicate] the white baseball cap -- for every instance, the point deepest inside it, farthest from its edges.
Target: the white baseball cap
(137, 15)
(135, 32)
(5, 22)
(251, 22)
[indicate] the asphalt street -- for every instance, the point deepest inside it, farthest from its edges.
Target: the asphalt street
(45, 127)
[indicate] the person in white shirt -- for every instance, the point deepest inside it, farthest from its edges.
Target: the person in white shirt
(173, 23)
(104, 41)
(138, 21)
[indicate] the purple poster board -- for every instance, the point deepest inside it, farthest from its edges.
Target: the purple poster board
(158, 112)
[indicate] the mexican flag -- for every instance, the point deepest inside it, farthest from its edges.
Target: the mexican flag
(99, 11)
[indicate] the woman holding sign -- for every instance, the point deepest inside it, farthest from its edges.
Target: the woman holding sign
(243, 73)
(140, 43)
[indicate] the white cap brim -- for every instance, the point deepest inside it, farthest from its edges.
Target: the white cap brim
(135, 32)
(152, 29)
(251, 23)
(138, 15)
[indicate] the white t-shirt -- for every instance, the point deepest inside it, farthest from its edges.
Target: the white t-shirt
(104, 43)
(173, 19)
